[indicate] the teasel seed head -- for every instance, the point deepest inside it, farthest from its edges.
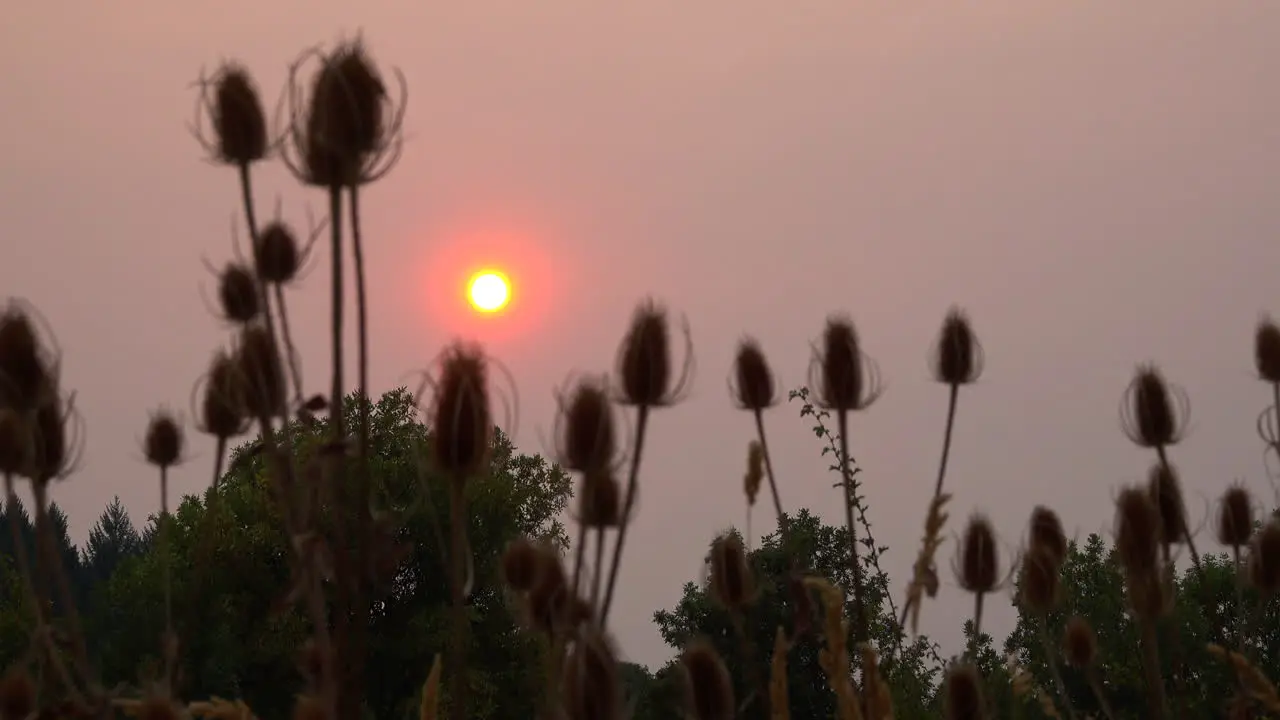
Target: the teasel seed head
(238, 294)
(957, 357)
(755, 472)
(1166, 492)
(261, 374)
(1154, 413)
(239, 123)
(962, 699)
(222, 402)
(24, 372)
(521, 563)
(17, 694)
(731, 582)
(1235, 517)
(462, 421)
(846, 379)
(709, 689)
(1046, 533)
(55, 443)
(549, 595)
(1138, 531)
(276, 255)
(646, 363)
(592, 684)
(1266, 350)
(1079, 643)
(601, 503)
(753, 384)
(978, 570)
(1038, 581)
(587, 428)
(1264, 560)
(15, 443)
(164, 441)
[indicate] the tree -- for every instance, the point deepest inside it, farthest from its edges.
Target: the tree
(1210, 607)
(747, 645)
(111, 540)
(230, 567)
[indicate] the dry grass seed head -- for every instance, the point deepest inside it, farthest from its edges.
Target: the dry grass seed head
(978, 566)
(222, 409)
(601, 503)
(1137, 531)
(238, 294)
(1046, 533)
(163, 444)
(924, 574)
(239, 123)
(462, 420)
(1264, 560)
(17, 694)
(846, 378)
(1235, 517)
(592, 685)
(1038, 581)
(731, 582)
(709, 690)
(752, 385)
(646, 360)
(587, 432)
(1166, 492)
(1079, 642)
(261, 373)
(276, 255)
(962, 693)
(957, 356)
(520, 564)
(1154, 413)
(1266, 350)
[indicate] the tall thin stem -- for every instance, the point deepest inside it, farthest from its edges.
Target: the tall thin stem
(952, 402)
(1050, 659)
(850, 497)
(458, 553)
(642, 426)
(783, 524)
(170, 645)
(1151, 670)
(295, 372)
(44, 537)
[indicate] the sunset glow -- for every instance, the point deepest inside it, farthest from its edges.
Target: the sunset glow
(488, 291)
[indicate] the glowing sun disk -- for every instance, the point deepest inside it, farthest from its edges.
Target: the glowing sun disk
(489, 291)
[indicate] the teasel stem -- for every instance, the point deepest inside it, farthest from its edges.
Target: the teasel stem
(1163, 456)
(295, 372)
(1052, 663)
(642, 426)
(37, 604)
(783, 524)
(599, 572)
(45, 540)
(167, 570)
(860, 621)
(1151, 670)
(580, 557)
(972, 650)
(1096, 686)
(458, 553)
(952, 402)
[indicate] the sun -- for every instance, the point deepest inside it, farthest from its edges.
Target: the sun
(488, 291)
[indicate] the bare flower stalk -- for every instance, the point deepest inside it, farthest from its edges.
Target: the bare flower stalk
(628, 505)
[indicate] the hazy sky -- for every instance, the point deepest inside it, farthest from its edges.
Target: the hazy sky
(1095, 181)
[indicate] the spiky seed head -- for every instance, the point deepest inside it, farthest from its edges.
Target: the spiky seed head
(239, 123)
(462, 420)
(709, 689)
(164, 440)
(549, 595)
(962, 698)
(1154, 413)
(23, 372)
(238, 293)
(588, 438)
(520, 564)
(1138, 531)
(222, 407)
(1235, 517)
(592, 685)
(1264, 560)
(731, 582)
(17, 694)
(276, 254)
(1079, 643)
(345, 122)
(979, 566)
(15, 443)
(1166, 492)
(1038, 581)
(958, 355)
(755, 472)
(1266, 350)
(261, 374)
(644, 358)
(1046, 533)
(848, 380)
(754, 385)
(51, 445)
(601, 503)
